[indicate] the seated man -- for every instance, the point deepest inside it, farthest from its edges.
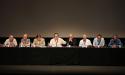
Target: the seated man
(56, 41)
(99, 41)
(38, 41)
(71, 41)
(115, 42)
(85, 43)
(10, 42)
(25, 42)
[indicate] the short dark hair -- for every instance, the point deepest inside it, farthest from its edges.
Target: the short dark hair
(38, 35)
(56, 33)
(99, 35)
(115, 35)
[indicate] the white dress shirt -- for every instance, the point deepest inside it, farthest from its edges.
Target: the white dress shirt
(57, 43)
(85, 43)
(10, 44)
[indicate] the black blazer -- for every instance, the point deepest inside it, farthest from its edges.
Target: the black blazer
(72, 43)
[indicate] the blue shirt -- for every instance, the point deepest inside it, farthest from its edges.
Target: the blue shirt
(116, 42)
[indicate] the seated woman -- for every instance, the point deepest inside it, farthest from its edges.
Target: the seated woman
(99, 41)
(56, 41)
(38, 41)
(71, 41)
(85, 43)
(10, 42)
(115, 42)
(25, 42)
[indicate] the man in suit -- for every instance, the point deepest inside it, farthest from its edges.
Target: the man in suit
(71, 41)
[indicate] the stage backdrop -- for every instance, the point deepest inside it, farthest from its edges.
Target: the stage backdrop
(45, 17)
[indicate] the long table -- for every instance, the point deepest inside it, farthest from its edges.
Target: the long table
(62, 56)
